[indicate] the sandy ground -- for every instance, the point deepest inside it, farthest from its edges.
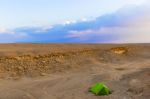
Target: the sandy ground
(66, 71)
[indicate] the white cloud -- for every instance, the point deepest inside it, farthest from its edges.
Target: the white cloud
(69, 22)
(43, 29)
(5, 31)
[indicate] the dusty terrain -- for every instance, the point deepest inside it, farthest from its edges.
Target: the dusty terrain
(66, 71)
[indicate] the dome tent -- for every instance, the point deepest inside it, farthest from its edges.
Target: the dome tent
(100, 89)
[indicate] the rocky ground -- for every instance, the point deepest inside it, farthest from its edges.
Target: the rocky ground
(66, 71)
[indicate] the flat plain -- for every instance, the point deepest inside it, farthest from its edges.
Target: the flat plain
(67, 71)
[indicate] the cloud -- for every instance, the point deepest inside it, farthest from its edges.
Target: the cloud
(127, 25)
(5, 31)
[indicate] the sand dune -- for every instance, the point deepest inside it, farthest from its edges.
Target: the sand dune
(66, 71)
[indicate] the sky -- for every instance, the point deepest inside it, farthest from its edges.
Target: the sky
(74, 21)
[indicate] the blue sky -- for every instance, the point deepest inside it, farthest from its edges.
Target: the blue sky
(74, 21)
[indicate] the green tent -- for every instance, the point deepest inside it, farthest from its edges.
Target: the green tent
(100, 89)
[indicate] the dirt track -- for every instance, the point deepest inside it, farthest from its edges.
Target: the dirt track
(59, 71)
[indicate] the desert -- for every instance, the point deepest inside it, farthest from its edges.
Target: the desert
(66, 71)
